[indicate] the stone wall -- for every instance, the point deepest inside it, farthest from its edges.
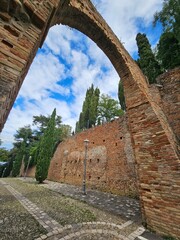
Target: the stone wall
(110, 161)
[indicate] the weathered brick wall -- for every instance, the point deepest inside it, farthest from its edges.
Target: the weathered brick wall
(110, 161)
(170, 97)
(22, 30)
(159, 179)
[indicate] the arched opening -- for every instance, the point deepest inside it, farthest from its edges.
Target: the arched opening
(154, 142)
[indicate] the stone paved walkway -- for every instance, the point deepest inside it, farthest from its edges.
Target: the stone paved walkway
(128, 208)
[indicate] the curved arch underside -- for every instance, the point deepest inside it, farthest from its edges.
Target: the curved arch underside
(155, 145)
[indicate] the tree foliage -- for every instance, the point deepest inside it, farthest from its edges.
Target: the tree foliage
(108, 108)
(20, 156)
(25, 139)
(168, 48)
(169, 16)
(121, 96)
(147, 61)
(168, 51)
(62, 131)
(9, 167)
(27, 142)
(4, 155)
(42, 121)
(88, 116)
(97, 110)
(45, 150)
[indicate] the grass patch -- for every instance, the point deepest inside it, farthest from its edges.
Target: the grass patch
(63, 209)
(15, 221)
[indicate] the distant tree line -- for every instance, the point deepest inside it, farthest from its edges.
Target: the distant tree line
(40, 144)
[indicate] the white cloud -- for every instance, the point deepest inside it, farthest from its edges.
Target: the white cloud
(68, 54)
(43, 76)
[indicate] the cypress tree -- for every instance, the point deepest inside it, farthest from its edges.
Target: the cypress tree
(147, 61)
(88, 116)
(121, 96)
(45, 150)
(81, 121)
(93, 114)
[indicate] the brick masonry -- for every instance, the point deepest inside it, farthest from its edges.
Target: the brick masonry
(23, 28)
(170, 98)
(110, 159)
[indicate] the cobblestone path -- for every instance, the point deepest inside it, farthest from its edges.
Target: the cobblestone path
(81, 231)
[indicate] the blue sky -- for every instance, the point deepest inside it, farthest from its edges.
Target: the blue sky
(69, 62)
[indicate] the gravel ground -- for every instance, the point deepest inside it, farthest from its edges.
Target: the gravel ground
(63, 209)
(15, 222)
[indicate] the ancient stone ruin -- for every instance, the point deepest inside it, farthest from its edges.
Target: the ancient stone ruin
(23, 27)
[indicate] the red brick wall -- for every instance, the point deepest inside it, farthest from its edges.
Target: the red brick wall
(110, 161)
(170, 97)
(157, 154)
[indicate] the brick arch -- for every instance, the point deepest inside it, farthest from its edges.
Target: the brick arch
(85, 18)
(154, 140)
(24, 25)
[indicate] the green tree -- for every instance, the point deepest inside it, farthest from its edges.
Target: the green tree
(42, 121)
(20, 156)
(147, 61)
(93, 108)
(4, 155)
(88, 116)
(45, 150)
(9, 167)
(25, 139)
(121, 96)
(168, 48)
(108, 108)
(168, 51)
(62, 131)
(169, 16)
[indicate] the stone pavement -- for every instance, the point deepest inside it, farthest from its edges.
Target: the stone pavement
(124, 207)
(127, 208)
